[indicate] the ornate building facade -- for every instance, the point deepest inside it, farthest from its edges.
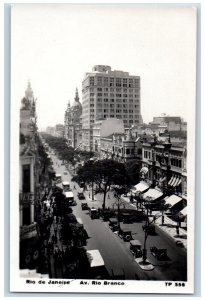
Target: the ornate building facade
(29, 165)
(73, 122)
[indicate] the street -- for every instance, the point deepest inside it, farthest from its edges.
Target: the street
(115, 251)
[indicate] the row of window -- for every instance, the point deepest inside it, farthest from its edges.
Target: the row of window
(112, 90)
(127, 105)
(147, 154)
(176, 162)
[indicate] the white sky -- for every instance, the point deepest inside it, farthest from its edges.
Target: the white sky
(54, 45)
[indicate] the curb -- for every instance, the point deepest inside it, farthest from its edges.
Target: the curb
(147, 267)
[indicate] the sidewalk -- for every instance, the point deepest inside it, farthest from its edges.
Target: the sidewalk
(169, 226)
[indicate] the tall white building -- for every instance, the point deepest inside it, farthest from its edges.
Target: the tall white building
(109, 94)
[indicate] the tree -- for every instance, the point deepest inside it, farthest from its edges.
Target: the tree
(133, 170)
(104, 173)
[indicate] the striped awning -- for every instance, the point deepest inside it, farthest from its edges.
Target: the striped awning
(178, 182)
(162, 179)
(171, 180)
(174, 181)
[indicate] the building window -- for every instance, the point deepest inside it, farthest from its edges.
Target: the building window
(26, 179)
(176, 162)
(92, 81)
(127, 151)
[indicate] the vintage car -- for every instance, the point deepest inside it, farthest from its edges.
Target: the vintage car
(81, 195)
(136, 248)
(125, 234)
(94, 214)
(84, 206)
(159, 253)
(114, 224)
(150, 229)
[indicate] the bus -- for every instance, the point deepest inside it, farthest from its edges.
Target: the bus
(58, 178)
(70, 198)
(97, 265)
(66, 186)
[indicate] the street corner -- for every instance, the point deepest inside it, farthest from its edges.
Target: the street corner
(147, 266)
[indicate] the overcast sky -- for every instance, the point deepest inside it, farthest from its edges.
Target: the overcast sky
(54, 45)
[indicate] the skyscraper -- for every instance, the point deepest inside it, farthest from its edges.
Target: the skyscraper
(109, 94)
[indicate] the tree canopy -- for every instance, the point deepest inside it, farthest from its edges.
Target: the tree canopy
(105, 174)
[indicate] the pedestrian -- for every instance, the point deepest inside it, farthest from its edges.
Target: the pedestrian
(74, 187)
(55, 231)
(108, 196)
(177, 229)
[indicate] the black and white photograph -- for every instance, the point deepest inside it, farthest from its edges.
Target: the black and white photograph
(102, 169)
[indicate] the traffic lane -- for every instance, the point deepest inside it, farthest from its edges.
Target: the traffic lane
(178, 262)
(175, 268)
(112, 248)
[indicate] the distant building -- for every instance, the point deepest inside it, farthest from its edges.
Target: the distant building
(172, 123)
(121, 147)
(109, 94)
(73, 122)
(50, 130)
(104, 128)
(59, 130)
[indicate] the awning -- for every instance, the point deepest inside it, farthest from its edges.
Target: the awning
(144, 170)
(152, 194)
(183, 211)
(162, 179)
(178, 182)
(172, 200)
(171, 180)
(140, 187)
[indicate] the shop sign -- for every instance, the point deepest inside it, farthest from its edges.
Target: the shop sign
(26, 199)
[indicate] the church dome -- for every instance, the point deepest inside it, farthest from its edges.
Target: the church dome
(76, 103)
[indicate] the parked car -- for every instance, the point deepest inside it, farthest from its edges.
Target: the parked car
(114, 224)
(150, 229)
(159, 253)
(136, 248)
(125, 234)
(94, 214)
(81, 195)
(84, 206)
